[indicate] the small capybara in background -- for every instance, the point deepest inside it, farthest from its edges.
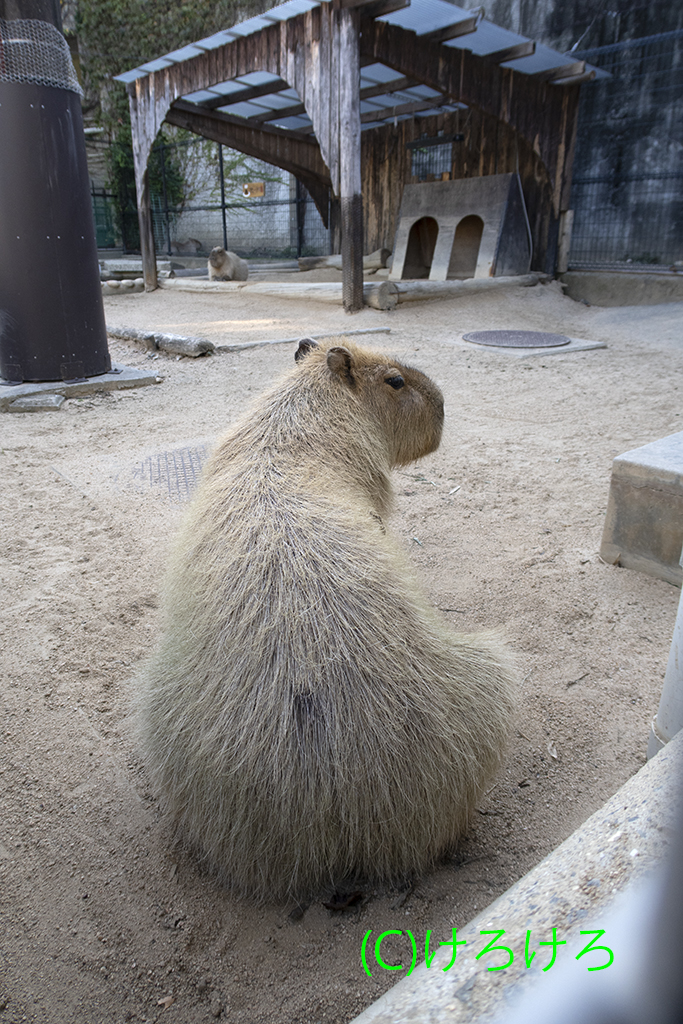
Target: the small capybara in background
(308, 718)
(224, 265)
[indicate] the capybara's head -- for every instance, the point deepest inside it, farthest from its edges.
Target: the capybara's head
(405, 404)
(217, 256)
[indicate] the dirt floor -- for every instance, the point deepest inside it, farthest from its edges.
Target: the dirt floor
(100, 919)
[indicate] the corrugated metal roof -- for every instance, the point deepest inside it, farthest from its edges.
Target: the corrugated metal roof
(279, 107)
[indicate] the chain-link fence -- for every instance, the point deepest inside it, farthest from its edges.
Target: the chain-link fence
(202, 202)
(104, 215)
(627, 193)
(628, 220)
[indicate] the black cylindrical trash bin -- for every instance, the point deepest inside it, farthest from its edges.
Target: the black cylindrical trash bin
(51, 315)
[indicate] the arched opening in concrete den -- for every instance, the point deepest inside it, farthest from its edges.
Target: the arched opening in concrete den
(421, 245)
(465, 251)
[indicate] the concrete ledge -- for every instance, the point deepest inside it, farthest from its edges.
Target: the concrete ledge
(622, 288)
(573, 889)
(120, 377)
(644, 520)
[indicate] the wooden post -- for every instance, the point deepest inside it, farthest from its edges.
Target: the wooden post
(149, 260)
(566, 224)
(144, 130)
(348, 71)
(335, 224)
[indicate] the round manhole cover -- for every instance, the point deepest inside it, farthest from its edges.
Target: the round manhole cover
(517, 339)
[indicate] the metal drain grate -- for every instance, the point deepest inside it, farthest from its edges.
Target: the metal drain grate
(175, 473)
(517, 339)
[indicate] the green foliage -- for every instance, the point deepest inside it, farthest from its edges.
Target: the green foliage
(117, 35)
(167, 183)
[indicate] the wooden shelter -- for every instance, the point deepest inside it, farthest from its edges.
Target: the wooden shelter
(340, 93)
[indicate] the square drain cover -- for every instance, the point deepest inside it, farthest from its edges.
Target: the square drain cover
(174, 474)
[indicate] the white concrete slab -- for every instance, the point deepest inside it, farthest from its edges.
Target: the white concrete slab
(644, 520)
(573, 889)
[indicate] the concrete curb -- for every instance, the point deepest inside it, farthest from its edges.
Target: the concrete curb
(177, 344)
(240, 346)
(572, 889)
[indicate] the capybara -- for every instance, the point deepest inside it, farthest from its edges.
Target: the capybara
(308, 718)
(226, 266)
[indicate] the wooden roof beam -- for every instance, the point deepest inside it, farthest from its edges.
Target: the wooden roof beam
(516, 52)
(588, 76)
(576, 67)
(275, 115)
(382, 89)
(386, 88)
(567, 74)
(460, 28)
(386, 113)
(249, 92)
(372, 8)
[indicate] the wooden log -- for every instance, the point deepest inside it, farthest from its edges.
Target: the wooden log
(415, 291)
(320, 262)
(374, 261)
(177, 344)
(380, 295)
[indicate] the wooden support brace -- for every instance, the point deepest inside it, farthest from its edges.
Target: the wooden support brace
(588, 76)
(460, 28)
(381, 7)
(247, 93)
(527, 49)
(386, 113)
(576, 67)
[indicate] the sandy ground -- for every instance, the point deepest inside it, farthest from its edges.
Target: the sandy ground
(100, 918)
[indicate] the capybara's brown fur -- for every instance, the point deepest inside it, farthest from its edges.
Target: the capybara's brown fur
(224, 265)
(308, 717)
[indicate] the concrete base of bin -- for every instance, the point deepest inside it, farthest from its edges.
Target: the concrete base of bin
(119, 377)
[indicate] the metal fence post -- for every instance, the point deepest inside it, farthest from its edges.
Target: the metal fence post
(162, 159)
(222, 177)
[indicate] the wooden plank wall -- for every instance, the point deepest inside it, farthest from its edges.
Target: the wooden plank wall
(489, 147)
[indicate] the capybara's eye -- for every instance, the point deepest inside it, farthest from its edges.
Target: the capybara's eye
(394, 382)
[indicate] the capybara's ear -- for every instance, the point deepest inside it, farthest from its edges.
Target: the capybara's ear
(340, 361)
(305, 346)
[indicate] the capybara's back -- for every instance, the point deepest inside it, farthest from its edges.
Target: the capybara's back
(308, 717)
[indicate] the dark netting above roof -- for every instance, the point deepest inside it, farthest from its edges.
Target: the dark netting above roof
(36, 52)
